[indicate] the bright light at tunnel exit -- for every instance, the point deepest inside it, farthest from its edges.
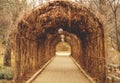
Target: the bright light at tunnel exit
(63, 49)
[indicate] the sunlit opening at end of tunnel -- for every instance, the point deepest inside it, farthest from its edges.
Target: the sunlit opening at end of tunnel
(63, 49)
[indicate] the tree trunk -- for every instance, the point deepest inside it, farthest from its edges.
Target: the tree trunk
(7, 57)
(117, 31)
(7, 54)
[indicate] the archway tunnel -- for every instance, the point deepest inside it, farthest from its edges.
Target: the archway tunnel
(37, 36)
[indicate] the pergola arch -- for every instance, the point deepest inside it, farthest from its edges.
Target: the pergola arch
(71, 39)
(35, 32)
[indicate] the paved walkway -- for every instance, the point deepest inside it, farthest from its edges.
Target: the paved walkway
(61, 70)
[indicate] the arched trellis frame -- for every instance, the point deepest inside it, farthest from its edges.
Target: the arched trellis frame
(72, 40)
(34, 29)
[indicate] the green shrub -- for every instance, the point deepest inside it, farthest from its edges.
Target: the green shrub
(1, 72)
(8, 76)
(6, 73)
(1, 75)
(4, 81)
(119, 67)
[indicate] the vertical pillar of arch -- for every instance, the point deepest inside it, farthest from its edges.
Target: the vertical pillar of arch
(24, 59)
(40, 53)
(94, 55)
(47, 50)
(29, 54)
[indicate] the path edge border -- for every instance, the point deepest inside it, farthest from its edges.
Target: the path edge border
(81, 69)
(39, 71)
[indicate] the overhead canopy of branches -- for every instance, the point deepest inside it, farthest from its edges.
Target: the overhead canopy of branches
(39, 29)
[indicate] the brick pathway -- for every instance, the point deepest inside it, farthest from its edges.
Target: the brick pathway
(61, 70)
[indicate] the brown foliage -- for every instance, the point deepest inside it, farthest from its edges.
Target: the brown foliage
(36, 38)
